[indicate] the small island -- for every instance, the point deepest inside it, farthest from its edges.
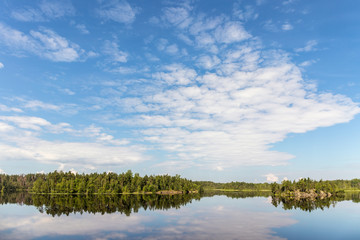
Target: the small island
(306, 188)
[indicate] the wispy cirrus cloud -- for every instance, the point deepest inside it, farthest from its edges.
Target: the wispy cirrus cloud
(164, 45)
(111, 49)
(36, 104)
(81, 27)
(46, 10)
(309, 46)
(244, 13)
(44, 43)
(118, 11)
(24, 104)
(179, 16)
(5, 108)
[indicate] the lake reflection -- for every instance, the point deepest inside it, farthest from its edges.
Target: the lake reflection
(164, 217)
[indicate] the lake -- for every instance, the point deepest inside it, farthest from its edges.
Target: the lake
(208, 216)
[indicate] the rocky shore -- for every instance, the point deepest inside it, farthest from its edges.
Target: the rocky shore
(311, 194)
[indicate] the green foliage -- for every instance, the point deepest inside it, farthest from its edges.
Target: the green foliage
(104, 183)
(240, 186)
(307, 185)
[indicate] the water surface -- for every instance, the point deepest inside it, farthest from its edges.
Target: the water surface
(210, 216)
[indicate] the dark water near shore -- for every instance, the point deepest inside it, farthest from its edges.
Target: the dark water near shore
(208, 216)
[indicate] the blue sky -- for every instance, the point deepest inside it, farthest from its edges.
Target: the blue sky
(223, 91)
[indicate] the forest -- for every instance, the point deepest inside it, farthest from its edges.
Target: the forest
(95, 183)
(309, 186)
(113, 183)
(237, 186)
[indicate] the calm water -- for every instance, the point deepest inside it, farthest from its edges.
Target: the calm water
(231, 216)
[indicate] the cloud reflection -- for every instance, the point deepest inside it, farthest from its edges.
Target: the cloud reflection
(230, 220)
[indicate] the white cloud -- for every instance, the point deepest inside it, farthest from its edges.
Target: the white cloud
(151, 57)
(231, 32)
(205, 40)
(163, 45)
(124, 70)
(203, 24)
(44, 43)
(176, 74)
(100, 136)
(228, 120)
(154, 20)
(56, 9)
(2, 171)
(78, 154)
(55, 47)
(32, 123)
(307, 63)
(49, 9)
(310, 46)
(260, 2)
(82, 28)
(28, 15)
(118, 11)
(92, 54)
(288, 2)
(112, 49)
(5, 108)
(66, 91)
(179, 16)
(36, 104)
(271, 177)
(208, 62)
(230, 112)
(287, 27)
(21, 139)
(246, 14)
(186, 39)
(172, 49)
(1, 65)
(269, 25)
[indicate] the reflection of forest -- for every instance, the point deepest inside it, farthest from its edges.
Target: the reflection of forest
(237, 194)
(308, 204)
(125, 204)
(59, 204)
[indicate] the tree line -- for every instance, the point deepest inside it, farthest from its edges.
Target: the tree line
(307, 185)
(95, 183)
(113, 183)
(286, 186)
(240, 186)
